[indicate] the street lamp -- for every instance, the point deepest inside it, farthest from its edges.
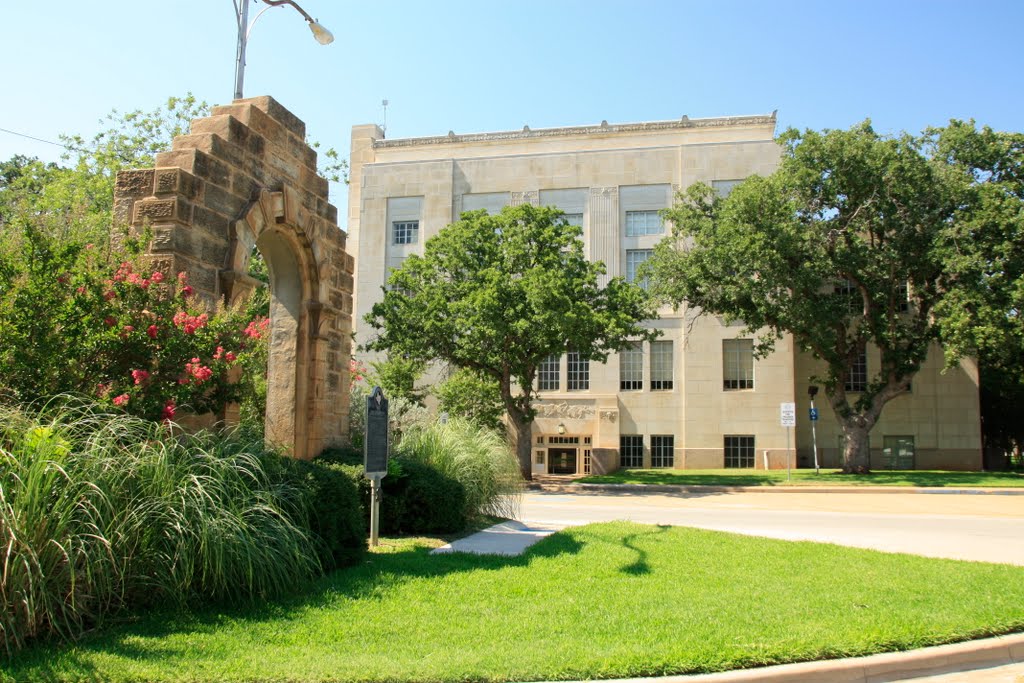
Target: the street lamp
(322, 35)
(812, 391)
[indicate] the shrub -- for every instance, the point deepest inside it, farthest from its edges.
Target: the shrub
(476, 457)
(334, 511)
(102, 511)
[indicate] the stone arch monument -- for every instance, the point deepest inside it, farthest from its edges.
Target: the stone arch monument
(244, 179)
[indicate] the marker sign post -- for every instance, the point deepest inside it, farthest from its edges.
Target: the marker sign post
(787, 417)
(375, 454)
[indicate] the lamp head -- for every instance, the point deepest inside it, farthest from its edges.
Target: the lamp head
(561, 428)
(812, 391)
(322, 35)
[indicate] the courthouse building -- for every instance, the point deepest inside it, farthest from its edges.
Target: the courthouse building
(696, 397)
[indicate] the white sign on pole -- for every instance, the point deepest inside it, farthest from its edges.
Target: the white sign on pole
(787, 414)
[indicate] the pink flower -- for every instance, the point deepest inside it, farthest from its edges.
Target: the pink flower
(109, 321)
(168, 412)
(109, 294)
(189, 328)
(179, 318)
(63, 278)
(230, 357)
(121, 400)
(129, 328)
(186, 291)
(219, 353)
(102, 390)
(80, 290)
(200, 372)
(144, 284)
(182, 277)
(157, 277)
(152, 331)
(139, 376)
(90, 246)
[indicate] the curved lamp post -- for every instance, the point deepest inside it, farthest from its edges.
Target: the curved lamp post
(322, 35)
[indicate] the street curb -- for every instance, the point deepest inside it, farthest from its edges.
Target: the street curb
(889, 666)
(671, 488)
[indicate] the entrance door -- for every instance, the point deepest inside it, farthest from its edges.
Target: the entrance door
(562, 460)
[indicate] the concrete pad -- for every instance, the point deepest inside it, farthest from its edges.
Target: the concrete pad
(507, 538)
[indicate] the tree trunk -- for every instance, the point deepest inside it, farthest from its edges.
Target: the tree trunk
(520, 433)
(856, 450)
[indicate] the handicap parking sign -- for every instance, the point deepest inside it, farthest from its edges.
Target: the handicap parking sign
(814, 414)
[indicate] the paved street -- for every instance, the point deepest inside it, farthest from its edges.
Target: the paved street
(957, 526)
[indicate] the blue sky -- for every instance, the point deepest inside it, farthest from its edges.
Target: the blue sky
(487, 66)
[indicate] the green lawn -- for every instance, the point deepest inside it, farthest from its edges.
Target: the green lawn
(809, 478)
(607, 600)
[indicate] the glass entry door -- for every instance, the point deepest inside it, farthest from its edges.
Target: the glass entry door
(562, 460)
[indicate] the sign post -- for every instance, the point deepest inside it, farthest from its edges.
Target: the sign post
(375, 454)
(811, 391)
(787, 417)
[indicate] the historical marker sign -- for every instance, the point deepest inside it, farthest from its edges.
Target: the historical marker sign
(375, 449)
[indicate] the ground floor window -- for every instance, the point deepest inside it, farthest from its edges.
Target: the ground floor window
(663, 450)
(739, 451)
(631, 450)
(898, 452)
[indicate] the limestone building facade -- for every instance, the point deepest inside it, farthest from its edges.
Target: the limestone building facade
(696, 397)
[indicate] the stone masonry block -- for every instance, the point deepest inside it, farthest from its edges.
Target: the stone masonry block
(137, 183)
(224, 202)
(163, 210)
(197, 162)
(175, 181)
(210, 221)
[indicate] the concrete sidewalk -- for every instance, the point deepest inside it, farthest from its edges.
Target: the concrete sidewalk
(507, 538)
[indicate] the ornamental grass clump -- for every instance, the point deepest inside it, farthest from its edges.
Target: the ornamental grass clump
(476, 457)
(99, 512)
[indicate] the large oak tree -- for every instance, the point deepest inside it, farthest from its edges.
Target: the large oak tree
(498, 295)
(846, 245)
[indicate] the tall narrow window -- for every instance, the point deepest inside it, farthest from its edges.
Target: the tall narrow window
(903, 297)
(898, 452)
(640, 223)
(577, 372)
(847, 292)
(737, 364)
(857, 380)
(661, 365)
(662, 450)
(547, 373)
(631, 368)
(631, 450)
(405, 232)
(634, 259)
(739, 451)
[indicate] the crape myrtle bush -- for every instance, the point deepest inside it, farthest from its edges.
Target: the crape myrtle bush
(100, 322)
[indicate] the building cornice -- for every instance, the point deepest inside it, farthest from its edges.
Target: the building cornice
(604, 128)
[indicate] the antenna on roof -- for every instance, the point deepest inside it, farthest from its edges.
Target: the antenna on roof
(384, 128)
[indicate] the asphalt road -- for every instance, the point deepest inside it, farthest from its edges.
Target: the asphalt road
(958, 526)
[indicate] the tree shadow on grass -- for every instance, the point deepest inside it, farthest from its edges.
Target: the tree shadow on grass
(132, 636)
(640, 566)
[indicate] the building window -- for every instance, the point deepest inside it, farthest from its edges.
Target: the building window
(578, 372)
(634, 258)
(631, 368)
(898, 452)
(405, 232)
(847, 292)
(739, 451)
(640, 223)
(724, 187)
(574, 219)
(662, 451)
(857, 379)
(737, 364)
(903, 297)
(661, 365)
(538, 458)
(631, 450)
(547, 373)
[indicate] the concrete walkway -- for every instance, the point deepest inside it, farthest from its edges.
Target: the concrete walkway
(994, 660)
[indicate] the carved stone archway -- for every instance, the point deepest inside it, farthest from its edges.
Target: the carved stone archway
(244, 178)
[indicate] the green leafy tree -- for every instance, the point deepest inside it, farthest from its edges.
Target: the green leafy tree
(499, 294)
(470, 395)
(840, 247)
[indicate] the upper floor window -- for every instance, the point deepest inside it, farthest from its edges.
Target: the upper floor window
(640, 223)
(574, 219)
(631, 368)
(577, 372)
(548, 373)
(661, 365)
(737, 364)
(405, 232)
(857, 379)
(724, 187)
(847, 291)
(634, 259)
